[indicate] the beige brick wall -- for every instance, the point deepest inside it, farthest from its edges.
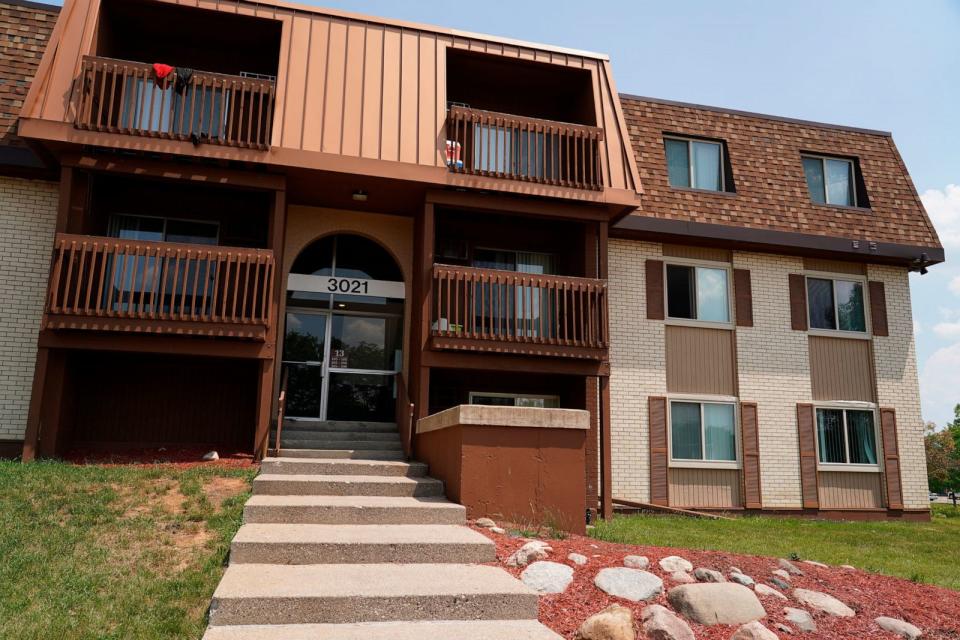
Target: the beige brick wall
(28, 212)
(773, 368)
(637, 367)
(898, 386)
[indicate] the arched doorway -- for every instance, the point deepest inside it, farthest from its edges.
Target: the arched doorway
(344, 331)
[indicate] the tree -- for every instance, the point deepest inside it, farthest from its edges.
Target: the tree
(943, 456)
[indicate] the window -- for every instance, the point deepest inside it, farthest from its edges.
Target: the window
(830, 180)
(695, 163)
(698, 293)
(514, 400)
(703, 431)
(836, 305)
(846, 436)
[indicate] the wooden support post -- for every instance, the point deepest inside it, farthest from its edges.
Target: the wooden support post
(51, 407)
(269, 369)
(421, 314)
(31, 438)
(606, 449)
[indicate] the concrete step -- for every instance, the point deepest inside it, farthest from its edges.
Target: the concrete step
(320, 485)
(432, 629)
(353, 544)
(340, 454)
(348, 510)
(266, 594)
(295, 435)
(331, 425)
(284, 465)
(354, 445)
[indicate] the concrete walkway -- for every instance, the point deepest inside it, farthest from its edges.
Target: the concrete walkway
(350, 542)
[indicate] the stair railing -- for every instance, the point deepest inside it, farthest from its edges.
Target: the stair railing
(281, 408)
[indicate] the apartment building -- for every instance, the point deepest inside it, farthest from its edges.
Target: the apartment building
(283, 223)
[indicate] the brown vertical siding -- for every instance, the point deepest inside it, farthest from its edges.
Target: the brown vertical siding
(750, 436)
(841, 369)
(798, 302)
(654, 281)
(743, 297)
(891, 458)
(659, 454)
(850, 490)
(700, 360)
(834, 266)
(696, 253)
(878, 308)
(808, 456)
(705, 488)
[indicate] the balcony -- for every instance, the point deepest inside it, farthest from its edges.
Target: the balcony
(498, 145)
(516, 313)
(110, 284)
(119, 96)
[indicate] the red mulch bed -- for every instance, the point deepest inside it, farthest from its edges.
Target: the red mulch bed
(934, 609)
(179, 457)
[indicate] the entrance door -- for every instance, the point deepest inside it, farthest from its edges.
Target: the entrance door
(304, 357)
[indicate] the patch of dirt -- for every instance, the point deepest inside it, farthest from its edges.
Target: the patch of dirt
(220, 489)
(160, 492)
(177, 457)
(934, 609)
(186, 539)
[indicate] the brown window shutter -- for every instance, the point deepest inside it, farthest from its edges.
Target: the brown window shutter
(743, 297)
(878, 308)
(891, 458)
(798, 302)
(655, 290)
(808, 457)
(659, 488)
(749, 427)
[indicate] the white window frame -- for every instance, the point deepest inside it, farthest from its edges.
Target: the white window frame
(694, 322)
(823, 169)
(683, 463)
(690, 141)
(515, 396)
(867, 333)
(849, 466)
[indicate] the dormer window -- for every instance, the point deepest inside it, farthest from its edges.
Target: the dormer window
(695, 164)
(831, 180)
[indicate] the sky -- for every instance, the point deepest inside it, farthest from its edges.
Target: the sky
(883, 64)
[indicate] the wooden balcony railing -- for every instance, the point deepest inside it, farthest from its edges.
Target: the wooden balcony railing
(507, 310)
(118, 96)
(110, 284)
(498, 145)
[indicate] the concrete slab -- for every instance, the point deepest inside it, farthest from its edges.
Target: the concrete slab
(329, 485)
(295, 450)
(353, 510)
(293, 465)
(432, 630)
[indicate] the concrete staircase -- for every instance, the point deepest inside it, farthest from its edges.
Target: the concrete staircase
(349, 543)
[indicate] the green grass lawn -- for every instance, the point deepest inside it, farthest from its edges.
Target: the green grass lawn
(113, 552)
(918, 551)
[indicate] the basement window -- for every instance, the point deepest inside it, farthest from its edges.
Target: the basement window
(514, 400)
(703, 431)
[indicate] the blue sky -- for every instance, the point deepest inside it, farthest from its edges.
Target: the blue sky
(884, 64)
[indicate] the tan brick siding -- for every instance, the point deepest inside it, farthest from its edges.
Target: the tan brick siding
(28, 212)
(898, 386)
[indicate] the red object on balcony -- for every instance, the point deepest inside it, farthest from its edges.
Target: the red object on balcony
(162, 70)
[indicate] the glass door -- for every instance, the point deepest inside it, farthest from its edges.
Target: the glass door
(364, 358)
(304, 357)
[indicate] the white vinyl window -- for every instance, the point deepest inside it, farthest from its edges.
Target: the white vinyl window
(836, 304)
(698, 292)
(830, 180)
(696, 164)
(514, 400)
(703, 431)
(847, 437)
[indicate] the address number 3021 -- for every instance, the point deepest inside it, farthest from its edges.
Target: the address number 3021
(346, 285)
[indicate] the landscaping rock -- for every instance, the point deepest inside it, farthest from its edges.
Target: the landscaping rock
(530, 552)
(740, 578)
(716, 603)
(613, 623)
(708, 575)
(816, 564)
(659, 623)
(636, 562)
(578, 559)
(736, 570)
(780, 584)
(900, 627)
(547, 577)
(671, 564)
(485, 523)
(801, 619)
(753, 631)
(790, 567)
(499, 530)
(848, 567)
(783, 575)
(783, 628)
(210, 456)
(823, 602)
(682, 577)
(764, 590)
(629, 584)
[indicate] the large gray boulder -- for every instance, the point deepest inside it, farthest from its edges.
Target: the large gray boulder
(613, 623)
(753, 631)
(716, 603)
(823, 602)
(801, 619)
(900, 627)
(629, 584)
(659, 623)
(547, 577)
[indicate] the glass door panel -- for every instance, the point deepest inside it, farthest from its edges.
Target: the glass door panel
(364, 342)
(362, 397)
(303, 356)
